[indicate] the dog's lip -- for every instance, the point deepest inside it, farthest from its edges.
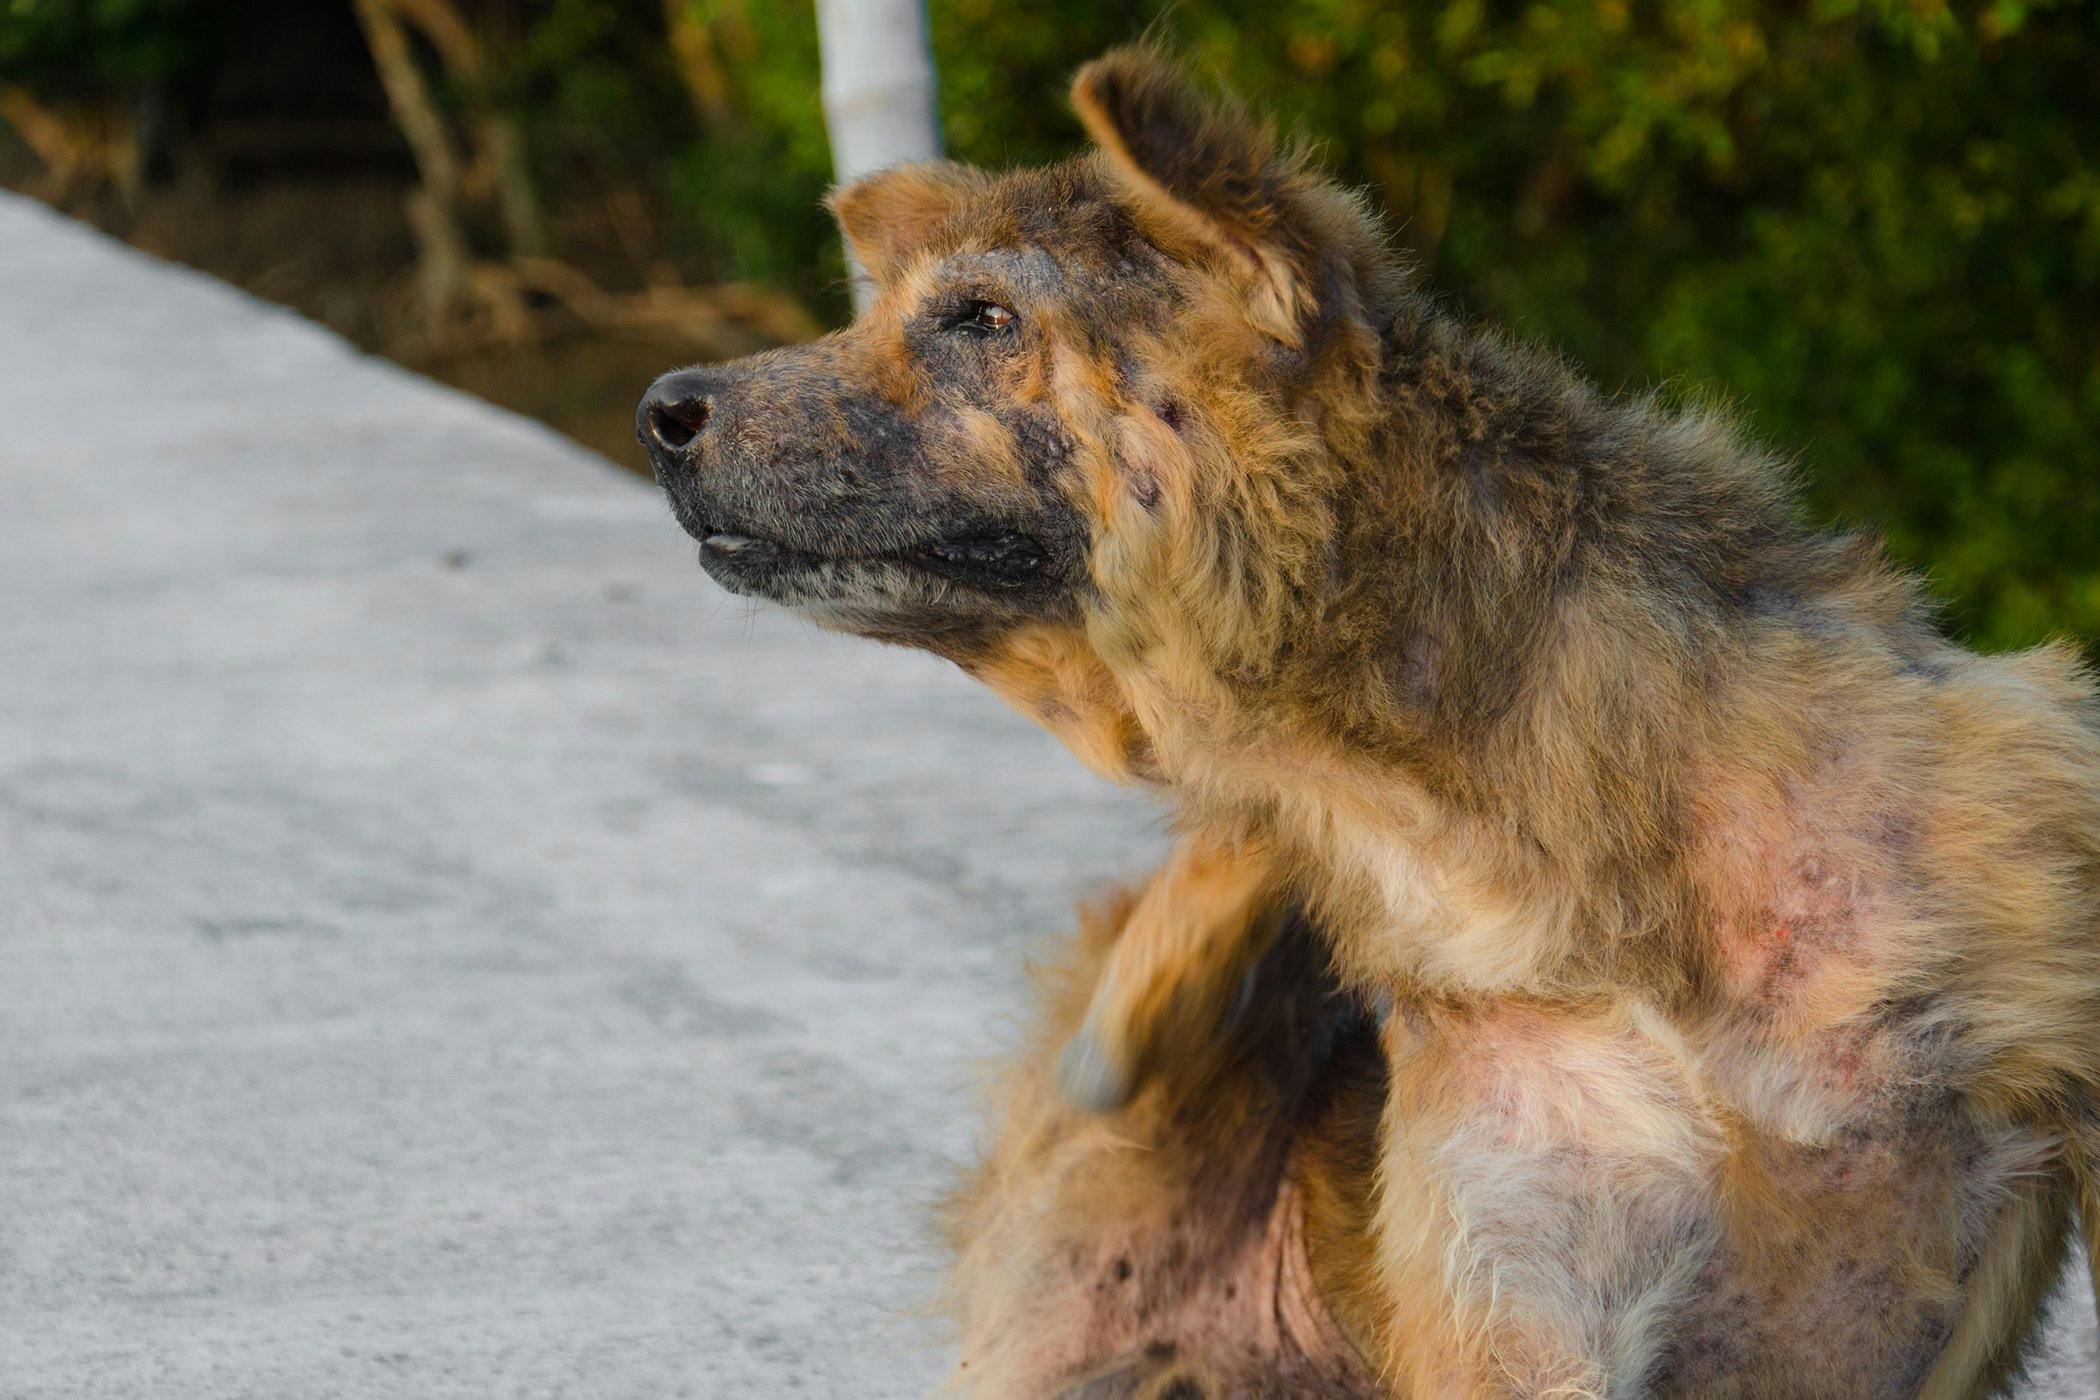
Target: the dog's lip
(991, 558)
(743, 556)
(735, 546)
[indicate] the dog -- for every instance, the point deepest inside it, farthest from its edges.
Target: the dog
(1728, 938)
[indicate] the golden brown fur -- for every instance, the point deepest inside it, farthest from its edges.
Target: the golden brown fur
(1746, 883)
(1119, 1254)
(1735, 931)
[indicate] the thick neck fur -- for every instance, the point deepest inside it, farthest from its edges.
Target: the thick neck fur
(1545, 614)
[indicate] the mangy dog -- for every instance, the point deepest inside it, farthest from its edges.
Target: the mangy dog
(1734, 932)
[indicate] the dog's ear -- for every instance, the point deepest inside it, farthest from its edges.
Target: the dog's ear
(1203, 174)
(886, 216)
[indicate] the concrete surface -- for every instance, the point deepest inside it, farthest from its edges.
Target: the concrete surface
(446, 947)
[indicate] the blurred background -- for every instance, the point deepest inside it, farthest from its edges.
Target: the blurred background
(1873, 226)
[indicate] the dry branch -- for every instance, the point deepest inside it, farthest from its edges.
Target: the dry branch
(452, 282)
(97, 143)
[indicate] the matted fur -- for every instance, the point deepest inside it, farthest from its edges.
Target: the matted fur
(1167, 1250)
(1738, 928)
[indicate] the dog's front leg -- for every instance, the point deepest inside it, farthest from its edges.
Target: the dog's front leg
(1184, 964)
(1546, 1198)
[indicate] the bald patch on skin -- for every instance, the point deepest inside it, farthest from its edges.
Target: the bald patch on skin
(1150, 454)
(1030, 270)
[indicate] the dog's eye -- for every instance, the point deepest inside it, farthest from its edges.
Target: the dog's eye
(982, 318)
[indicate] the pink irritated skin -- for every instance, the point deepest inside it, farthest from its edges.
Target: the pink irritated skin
(1161, 1303)
(1817, 916)
(1801, 880)
(1805, 889)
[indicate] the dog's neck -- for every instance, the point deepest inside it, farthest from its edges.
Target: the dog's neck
(1480, 741)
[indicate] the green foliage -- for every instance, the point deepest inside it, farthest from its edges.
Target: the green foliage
(602, 97)
(96, 48)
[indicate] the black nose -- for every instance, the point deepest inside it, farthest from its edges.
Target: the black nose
(674, 413)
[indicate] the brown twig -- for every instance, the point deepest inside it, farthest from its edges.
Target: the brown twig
(98, 143)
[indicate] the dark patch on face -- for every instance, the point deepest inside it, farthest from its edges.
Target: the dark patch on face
(1042, 444)
(1122, 1270)
(1130, 375)
(1144, 487)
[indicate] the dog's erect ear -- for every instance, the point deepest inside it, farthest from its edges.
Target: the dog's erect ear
(888, 215)
(1203, 172)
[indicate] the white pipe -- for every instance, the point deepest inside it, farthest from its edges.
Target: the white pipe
(878, 89)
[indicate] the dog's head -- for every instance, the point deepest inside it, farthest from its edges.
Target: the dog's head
(1085, 420)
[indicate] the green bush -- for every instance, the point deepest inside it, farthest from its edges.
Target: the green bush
(69, 49)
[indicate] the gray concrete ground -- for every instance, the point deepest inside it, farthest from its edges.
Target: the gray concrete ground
(447, 948)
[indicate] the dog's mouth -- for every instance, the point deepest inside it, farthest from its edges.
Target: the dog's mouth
(998, 561)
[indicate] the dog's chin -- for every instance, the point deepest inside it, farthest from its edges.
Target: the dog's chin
(758, 568)
(945, 597)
